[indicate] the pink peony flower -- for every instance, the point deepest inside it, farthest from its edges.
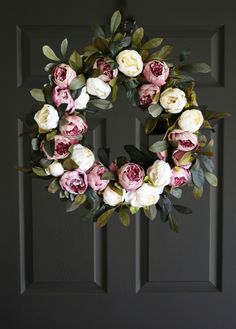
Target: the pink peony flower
(94, 177)
(62, 75)
(147, 93)
(183, 140)
(182, 159)
(104, 67)
(74, 182)
(62, 145)
(156, 72)
(63, 96)
(180, 177)
(72, 126)
(131, 176)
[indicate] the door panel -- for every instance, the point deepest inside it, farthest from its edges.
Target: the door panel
(61, 272)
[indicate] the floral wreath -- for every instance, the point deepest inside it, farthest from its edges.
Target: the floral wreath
(79, 84)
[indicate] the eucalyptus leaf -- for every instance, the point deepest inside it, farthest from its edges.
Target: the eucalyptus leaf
(48, 68)
(115, 21)
(53, 186)
(161, 54)
(197, 174)
(159, 146)
(137, 36)
(77, 82)
(176, 192)
(155, 110)
(104, 218)
(64, 46)
(124, 217)
(49, 53)
(151, 212)
(196, 68)
(211, 178)
(102, 104)
(37, 94)
(76, 61)
(35, 144)
(208, 163)
(153, 43)
(39, 171)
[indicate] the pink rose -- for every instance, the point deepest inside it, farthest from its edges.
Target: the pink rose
(62, 75)
(162, 155)
(147, 94)
(156, 72)
(182, 159)
(180, 177)
(183, 140)
(94, 177)
(72, 126)
(60, 150)
(131, 176)
(63, 96)
(74, 182)
(107, 73)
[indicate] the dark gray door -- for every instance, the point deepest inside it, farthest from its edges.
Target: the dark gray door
(59, 272)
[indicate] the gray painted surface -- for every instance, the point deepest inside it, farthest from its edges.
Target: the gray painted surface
(60, 272)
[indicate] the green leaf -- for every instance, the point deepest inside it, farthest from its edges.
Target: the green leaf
(49, 147)
(64, 46)
(124, 217)
(133, 97)
(135, 154)
(197, 192)
(37, 94)
(99, 32)
(69, 164)
(161, 54)
(79, 199)
(173, 224)
(51, 135)
(109, 175)
(131, 83)
(102, 44)
(153, 43)
(118, 37)
(182, 209)
(53, 186)
(48, 68)
(155, 110)
(184, 55)
(116, 189)
(115, 89)
(93, 199)
(208, 163)
(104, 218)
(35, 144)
(197, 174)
(49, 53)
(196, 68)
(176, 192)
(39, 171)
(115, 21)
(76, 61)
(102, 104)
(150, 125)
(137, 36)
(134, 210)
(121, 160)
(115, 47)
(144, 54)
(77, 82)
(211, 178)
(159, 146)
(150, 212)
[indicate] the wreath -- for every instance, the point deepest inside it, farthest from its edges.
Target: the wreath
(84, 83)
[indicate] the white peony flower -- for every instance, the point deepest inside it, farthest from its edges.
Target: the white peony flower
(159, 174)
(130, 63)
(173, 100)
(191, 120)
(47, 118)
(82, 156)
(82, 100)
(55, 169)
(99, 88)
(112, 198)
(145, 196)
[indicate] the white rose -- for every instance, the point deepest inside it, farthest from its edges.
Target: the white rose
(191, 120)
(99, 88)
(112, 198)
(159, 174)
(173, 100)
(82, 100)
(130, 63)
(145, 196)
(47, 118)
(55, 169)
(82, 156)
